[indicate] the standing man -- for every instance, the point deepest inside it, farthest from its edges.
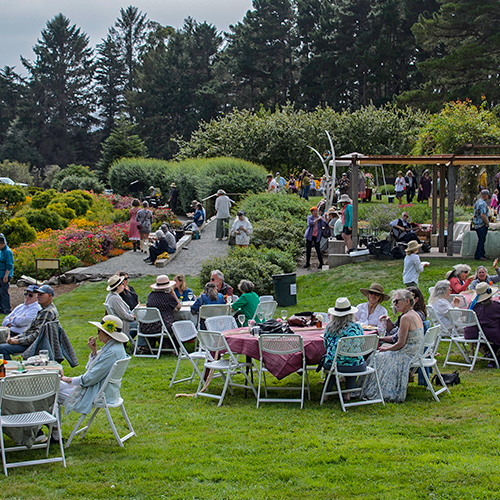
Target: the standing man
(18, 344)
(481, 223)
(172, 198)
(6, 273)
(22, 316)
(222, 207)
(411, 186)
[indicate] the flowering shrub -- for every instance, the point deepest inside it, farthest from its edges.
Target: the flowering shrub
(165, 215)
(118, 201)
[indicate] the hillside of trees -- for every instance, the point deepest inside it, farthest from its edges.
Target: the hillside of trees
(343, 55)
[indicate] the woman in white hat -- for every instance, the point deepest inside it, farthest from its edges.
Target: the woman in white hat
(164, 299)
(393, 360)
(488, 315)
(77, 393)
(369, 312)
(116, 305)
(412, 265)
(342, 324)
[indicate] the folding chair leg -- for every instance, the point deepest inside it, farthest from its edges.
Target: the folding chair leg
(129, 425)
(76, 430)
(112, 425)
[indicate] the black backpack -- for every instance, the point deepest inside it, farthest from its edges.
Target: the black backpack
(398, 252)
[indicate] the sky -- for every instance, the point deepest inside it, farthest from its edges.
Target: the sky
(22, 21)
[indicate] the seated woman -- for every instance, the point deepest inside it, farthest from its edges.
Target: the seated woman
(181, 290)
(458, 278)
(440, 303)
(77, 393)
(488, 315)
(248, 301)
(164, 299)
(368, 313)
(482, 276)
(393, 360)
(129, 295)
(116, 285)
(210, 295)
(342, 324)
(160, 246)
(198, 219)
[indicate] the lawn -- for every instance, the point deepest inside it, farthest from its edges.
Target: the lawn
(187, 448)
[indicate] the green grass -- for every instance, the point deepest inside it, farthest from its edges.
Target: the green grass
(189, 448)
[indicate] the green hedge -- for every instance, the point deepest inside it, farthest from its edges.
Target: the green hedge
(18, 231)
(195, 178)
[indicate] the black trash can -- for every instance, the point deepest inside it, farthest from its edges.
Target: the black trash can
(285, 289)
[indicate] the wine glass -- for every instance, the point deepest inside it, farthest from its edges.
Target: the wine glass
(229, 300)
(44, 356)
(190, 296)
(260, 315)
(241, 319)
(284, 314)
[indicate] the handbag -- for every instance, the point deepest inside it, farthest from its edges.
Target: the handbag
(139, 226)
(231, 240)
(274, 326)
(449, 379)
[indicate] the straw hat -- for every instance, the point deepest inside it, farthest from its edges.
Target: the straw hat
(375, 288)
(484, 291)
(412, 246)
(345, 199)
(112, 326)
(173, 185)
(342, 307)
(163, 282)
(114, 282)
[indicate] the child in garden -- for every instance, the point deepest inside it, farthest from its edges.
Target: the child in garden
(412, 266)
(494, 199)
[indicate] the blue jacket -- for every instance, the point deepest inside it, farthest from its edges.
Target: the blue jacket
(310, 226)
(6, 261)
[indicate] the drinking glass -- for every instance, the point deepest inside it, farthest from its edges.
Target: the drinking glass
(44, 356)
(261, 316)
(229, 299)
(284, 314)
(241, 319)
(191, 296)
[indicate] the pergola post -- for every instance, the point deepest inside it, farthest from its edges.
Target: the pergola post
(451, 207)
(434, 199)
(354, 196)
(442, 198)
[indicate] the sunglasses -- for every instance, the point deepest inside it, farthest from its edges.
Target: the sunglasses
(27, 294)
(395, 301)
(213, 279)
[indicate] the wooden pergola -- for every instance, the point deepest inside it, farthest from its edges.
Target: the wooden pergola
(438, 163)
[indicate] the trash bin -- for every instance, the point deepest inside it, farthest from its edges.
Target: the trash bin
(285, 289)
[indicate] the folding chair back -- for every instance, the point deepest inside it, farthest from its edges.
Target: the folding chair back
(460, 319)
(149, 315)
(462, 302)
(220, 323)
(282, 345)
(114, 378)
(210, 310)
(212, 342)
(30, 388)
(267, 309)
(111, 311)
(266, 298)
(185, 331)
(360, 345)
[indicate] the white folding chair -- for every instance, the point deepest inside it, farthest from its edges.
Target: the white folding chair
(149, 315)
(424, 359)
(215, 345)
(210, 310)
(111, 311)
(282, 345)
(462, 302)
(266, 298)
(185, 331)
(31, 388)
(352, 347)
(266, 309)
(461, 318)
(114, 378)
(220, 323)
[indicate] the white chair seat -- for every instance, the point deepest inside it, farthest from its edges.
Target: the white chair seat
(28, 419)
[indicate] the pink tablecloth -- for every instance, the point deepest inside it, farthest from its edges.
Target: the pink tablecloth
(240, 341)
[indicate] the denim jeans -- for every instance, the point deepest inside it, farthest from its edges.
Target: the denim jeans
(4, 297)
(8, 349)
(481, 239)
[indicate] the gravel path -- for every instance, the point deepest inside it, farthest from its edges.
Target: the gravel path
(187, 262)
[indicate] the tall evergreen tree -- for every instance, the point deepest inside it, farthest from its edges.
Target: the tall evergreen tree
(61, 99)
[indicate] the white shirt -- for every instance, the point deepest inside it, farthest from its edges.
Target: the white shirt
(21, 317)
(441, 307)
(223, 207)
(412, 268)
(338, 227)
(273, 186)
(242, 238)
(363, 317)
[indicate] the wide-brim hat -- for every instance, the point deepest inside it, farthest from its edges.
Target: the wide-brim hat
(484, 291)
(114, 282)
(342, 308)
(412, 246)
(163, 282)
(345, 199)
(173, 185)
(112, 326)
(375, 288)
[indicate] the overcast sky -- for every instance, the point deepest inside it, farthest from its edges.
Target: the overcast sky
(21, 21)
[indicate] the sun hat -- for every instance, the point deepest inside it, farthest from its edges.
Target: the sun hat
(173, 185)
(345, 199)
(114, 282)
(342, 307)
(163, 282)
(483, 292)
(112, 326)
(375, 288)
(412, 246)
(221, 191)
(45, 289)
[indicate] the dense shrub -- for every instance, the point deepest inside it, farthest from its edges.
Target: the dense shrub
(11, 194)
(74, 171)
(91, 184)
(46, 218)
(18, 231)
(251, 264)
(43, 198)
(63, 210)
(18, 172)
(69, 183)
(273, 233)
(79, 201)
